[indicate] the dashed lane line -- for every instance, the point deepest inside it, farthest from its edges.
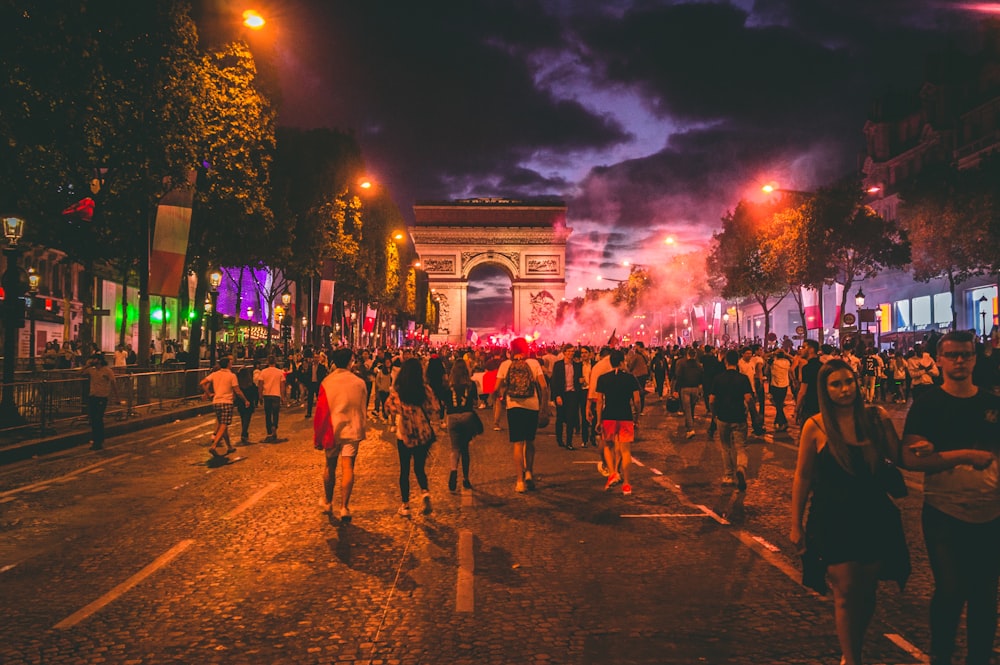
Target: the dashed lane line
(464, 596)
(257, 496)
(123, 588)
(908, 647)
(42, 484)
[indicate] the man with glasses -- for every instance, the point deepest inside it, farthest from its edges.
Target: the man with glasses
(961, 514)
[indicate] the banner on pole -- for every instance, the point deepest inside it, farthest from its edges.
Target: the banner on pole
(170, 240)
(324, 306)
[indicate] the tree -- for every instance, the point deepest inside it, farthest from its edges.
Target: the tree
(950, 219)
(858, 242)
(738, 264)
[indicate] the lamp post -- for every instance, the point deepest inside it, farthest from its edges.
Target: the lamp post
(725, 325)
(878, 329)
(33, 280)
(13, 317)
(305, 330)
(859, 298)
(214, 280)
(982, 312)
(286, 327)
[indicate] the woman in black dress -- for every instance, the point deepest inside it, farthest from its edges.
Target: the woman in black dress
(854, 533)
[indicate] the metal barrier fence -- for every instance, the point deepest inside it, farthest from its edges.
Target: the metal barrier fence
(50, 403)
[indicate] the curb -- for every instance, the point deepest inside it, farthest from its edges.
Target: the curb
(52, 444)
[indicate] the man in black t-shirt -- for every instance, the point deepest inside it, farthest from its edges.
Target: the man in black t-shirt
(731, 399)
(617, 409)
(952, 433)
(807, 400)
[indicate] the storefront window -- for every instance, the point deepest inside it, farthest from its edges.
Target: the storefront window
(942, 309)
(921, 312)
(903, 315)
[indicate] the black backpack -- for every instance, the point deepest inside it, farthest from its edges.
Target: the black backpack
(520, 380)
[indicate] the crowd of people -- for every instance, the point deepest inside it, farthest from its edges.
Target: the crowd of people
(845, 521)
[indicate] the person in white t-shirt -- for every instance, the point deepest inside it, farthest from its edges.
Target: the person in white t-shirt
(523, 411)
(222, 386)
(271, 382)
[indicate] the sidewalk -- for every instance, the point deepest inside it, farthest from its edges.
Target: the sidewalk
(76, 432)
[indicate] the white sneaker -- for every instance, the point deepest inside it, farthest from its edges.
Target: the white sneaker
(326, 508)
(426, 498)
(404, 510)
(690, 434)
(345, 514)
(519, 487)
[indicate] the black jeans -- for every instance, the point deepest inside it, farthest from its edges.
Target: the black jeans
(568, 417)
(272, 406)
(778, 396)
(96, 406)
(965, 561)
(419, 456)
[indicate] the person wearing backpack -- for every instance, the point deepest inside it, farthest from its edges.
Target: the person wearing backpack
(525, 394)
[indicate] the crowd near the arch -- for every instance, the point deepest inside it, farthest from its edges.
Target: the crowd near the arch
(845, 521)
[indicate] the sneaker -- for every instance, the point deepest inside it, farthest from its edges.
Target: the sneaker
(404, 510)
(727, 481)
(741, 480)
(529, 480)
(345, 515)
(612, 480)
(627, 489)
(519, 487)
(326, 508)
(690, 434)
(453, 481)
(602, 468)
(426, 498)
(466, 484)
(496, 428)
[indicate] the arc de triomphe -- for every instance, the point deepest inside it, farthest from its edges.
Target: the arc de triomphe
(527, 240)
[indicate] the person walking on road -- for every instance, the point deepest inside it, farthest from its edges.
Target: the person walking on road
(222, 387)
(246, 409)
(731, 401)
(567, 378)
(311, 375)
(271, 384)
(339, 429)
(781, 367)
(412, 401)
(617, 410)
(102, 386)
(462, 422)
(854, 534)
(952, 434)
(525, 393)
(807, 399)
(600, 368)
(688, 377)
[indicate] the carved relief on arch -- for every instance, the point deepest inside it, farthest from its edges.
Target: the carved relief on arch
(511, 261)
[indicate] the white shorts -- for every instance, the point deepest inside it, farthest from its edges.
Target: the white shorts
(346, 449)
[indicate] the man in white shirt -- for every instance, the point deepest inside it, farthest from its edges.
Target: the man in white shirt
(271, 382)
(339, 428)
(221, 386)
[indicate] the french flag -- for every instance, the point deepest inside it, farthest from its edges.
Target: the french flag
(810, 305)
(370, 314)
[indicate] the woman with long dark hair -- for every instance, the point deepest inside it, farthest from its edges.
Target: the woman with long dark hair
(854, 532)
(412, 401)
(461, 408)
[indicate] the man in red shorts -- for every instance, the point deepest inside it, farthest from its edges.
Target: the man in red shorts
(617, 410)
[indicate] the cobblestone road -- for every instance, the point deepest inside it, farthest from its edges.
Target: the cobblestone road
(142, 553)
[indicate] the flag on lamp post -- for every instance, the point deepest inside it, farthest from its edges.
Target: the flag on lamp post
(324, 307)
(810, 307)
(370, 314)
(170, 240)
(717, 320)
(699, 316)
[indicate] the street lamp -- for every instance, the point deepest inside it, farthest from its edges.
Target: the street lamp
(286, 320)
(725, 323)
(982, 312)
(859, 298)
(33, 280)
(214, 280)
(878, 329)
(13, 317)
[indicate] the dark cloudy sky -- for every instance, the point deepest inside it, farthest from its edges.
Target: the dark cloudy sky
(649, 117)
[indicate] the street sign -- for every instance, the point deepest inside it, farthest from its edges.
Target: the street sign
(849, 319)
(772, 336)
(800, 330)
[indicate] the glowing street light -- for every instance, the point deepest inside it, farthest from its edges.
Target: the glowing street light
(253, 20)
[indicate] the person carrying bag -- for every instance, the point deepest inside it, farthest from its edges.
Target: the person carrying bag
(464, 423)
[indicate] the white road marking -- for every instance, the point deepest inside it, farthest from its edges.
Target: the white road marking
(699, 515)
(656, 472)
(44, 483)
(908, 647)
(4, 569)
(711, 513)
(257, 496)
(464, 593)
(125, 586)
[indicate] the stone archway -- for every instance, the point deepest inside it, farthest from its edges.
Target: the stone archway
(525, 239)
